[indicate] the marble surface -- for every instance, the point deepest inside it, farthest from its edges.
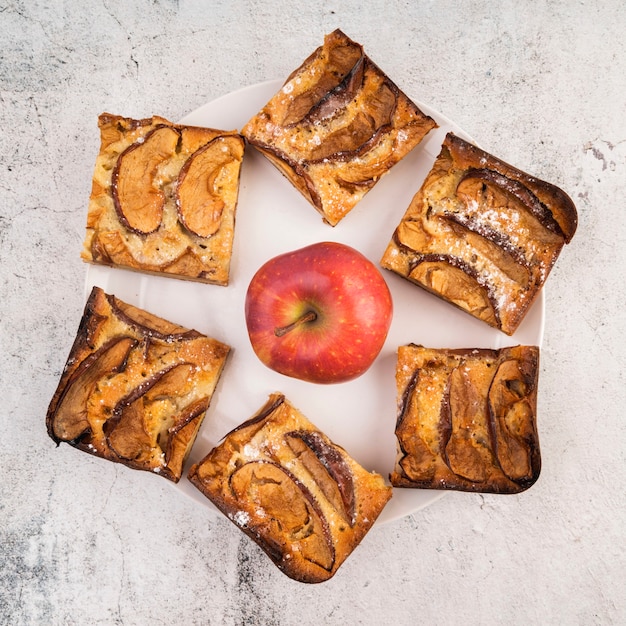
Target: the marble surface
(82, 541)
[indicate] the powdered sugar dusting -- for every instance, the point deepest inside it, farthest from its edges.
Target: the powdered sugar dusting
(241, 518)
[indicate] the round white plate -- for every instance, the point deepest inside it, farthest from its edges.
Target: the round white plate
(273, 218)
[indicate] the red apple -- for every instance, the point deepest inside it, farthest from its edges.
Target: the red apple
(320, 314)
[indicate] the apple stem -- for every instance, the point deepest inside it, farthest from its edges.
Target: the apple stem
(309, 316)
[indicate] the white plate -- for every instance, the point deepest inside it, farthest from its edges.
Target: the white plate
(273, 218)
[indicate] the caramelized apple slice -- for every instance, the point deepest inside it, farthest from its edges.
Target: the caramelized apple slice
(128, 430)
(181, 435)
(517, 190)
(344, 140)
(339, 58)
(455, 280)
(468, 451)
(175, 381)
(412, 235)
(339, 97)
(512, 420)
(417, 459)
(491, 245)
(136, 190)
(147, 324)
(363, 130)
(329, 470)
(126, 433)
(288, 506)
(198, 197)
(69, 420)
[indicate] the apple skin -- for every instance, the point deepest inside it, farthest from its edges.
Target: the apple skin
(345, 295)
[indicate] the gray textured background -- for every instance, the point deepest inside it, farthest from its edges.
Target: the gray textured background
(541, 84)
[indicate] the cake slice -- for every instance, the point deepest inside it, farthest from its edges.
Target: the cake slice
(336, 126)
(164, 198)
(481, 234)
(135, 388)
(298, 495)
(467, 419)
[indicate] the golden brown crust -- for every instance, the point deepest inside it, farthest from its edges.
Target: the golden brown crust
(336, 126)
(164, 198)
(301, 497)
(481, 234)
(467, 419)
(135, 388)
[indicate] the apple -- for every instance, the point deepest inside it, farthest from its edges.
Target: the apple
(319, 314)
(139, 204)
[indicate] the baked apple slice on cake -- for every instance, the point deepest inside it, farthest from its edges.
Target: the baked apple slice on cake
(482, 234)
(337, 125)
(297, 494)
(135, 388)
(164, 198)
(467, 419)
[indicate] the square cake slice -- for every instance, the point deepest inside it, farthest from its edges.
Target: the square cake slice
(135, 388)
(467, 419)
(481, 234)
(164, 198)
(298, 495)
(336, 126)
